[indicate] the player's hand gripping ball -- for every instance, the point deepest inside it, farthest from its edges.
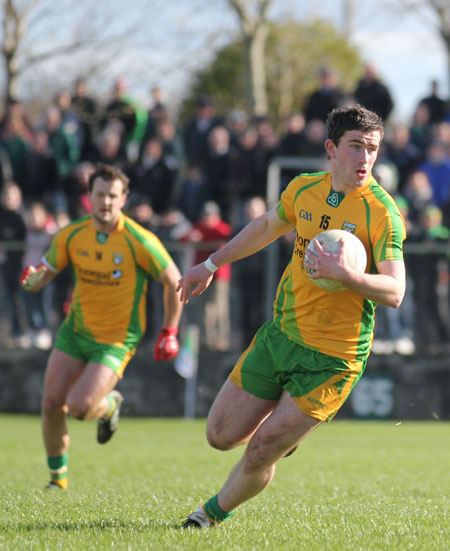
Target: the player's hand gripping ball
(355, 254)
(167, 346)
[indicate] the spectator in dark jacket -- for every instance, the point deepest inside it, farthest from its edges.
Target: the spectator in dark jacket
(42, 178)
(437, 107)
(195, 135)
(85, 108)
(402, 152)
(62, 145)
(327, 96)
(373, 94)
(154, 178)
(293, 140)
(218, 171)
(108, 149)
(12, 230)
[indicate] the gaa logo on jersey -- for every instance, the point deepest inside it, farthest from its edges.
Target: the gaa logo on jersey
(117, 259)
(306, 215)
(117, 274)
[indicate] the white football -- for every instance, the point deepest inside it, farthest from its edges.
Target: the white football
(355, 252)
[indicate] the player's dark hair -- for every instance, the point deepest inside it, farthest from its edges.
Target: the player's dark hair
(109, 173)
(354, 117)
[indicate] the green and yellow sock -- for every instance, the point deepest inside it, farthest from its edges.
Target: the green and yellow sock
(112, 404)
(214, 512)
(58, 470)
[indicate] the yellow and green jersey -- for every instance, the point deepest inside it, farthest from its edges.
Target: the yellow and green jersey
(110, 273)
(338, 323)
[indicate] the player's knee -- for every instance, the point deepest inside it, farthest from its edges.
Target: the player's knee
(51, 405)
(291, 451)
(79, 409)
(78, 413)
(264, 450)
(256, 456)
(217, 440)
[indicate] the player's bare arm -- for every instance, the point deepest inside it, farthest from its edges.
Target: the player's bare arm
(251, 239)
(34, 278)
(172, 305)
(387, 287)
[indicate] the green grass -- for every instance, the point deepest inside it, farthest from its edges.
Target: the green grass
(351, 486)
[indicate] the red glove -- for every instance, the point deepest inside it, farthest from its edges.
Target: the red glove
(167, 344)
(30, 277)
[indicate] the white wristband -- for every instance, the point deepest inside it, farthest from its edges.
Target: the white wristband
(209, 265)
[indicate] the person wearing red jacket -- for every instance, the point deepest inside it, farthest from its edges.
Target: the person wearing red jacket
(214, 312)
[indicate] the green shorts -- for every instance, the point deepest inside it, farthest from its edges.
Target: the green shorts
(113, 356)
(318, 383)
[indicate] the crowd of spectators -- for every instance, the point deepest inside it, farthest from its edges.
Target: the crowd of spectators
(200, 181)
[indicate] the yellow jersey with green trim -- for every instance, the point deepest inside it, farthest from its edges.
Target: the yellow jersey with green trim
(110, 275)
(338, 323)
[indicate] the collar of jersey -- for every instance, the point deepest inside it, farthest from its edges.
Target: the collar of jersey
(119, 227)
(370, 180)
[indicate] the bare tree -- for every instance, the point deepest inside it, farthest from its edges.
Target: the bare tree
(13, 32)
(442, 10)
(348, 12)
(434, 14)
(37, 31)
(254, 28)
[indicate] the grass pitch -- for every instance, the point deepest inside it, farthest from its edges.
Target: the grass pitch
(350, 486)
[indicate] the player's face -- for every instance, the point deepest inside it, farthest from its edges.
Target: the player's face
(107, 200)
(352, 160)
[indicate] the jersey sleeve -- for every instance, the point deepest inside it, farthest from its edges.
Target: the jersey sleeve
(57, 258)
(388, 238)
(151, 255)
(285, 208)
(154, 256)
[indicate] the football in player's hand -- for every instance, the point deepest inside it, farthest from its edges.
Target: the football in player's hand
(355, 254)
